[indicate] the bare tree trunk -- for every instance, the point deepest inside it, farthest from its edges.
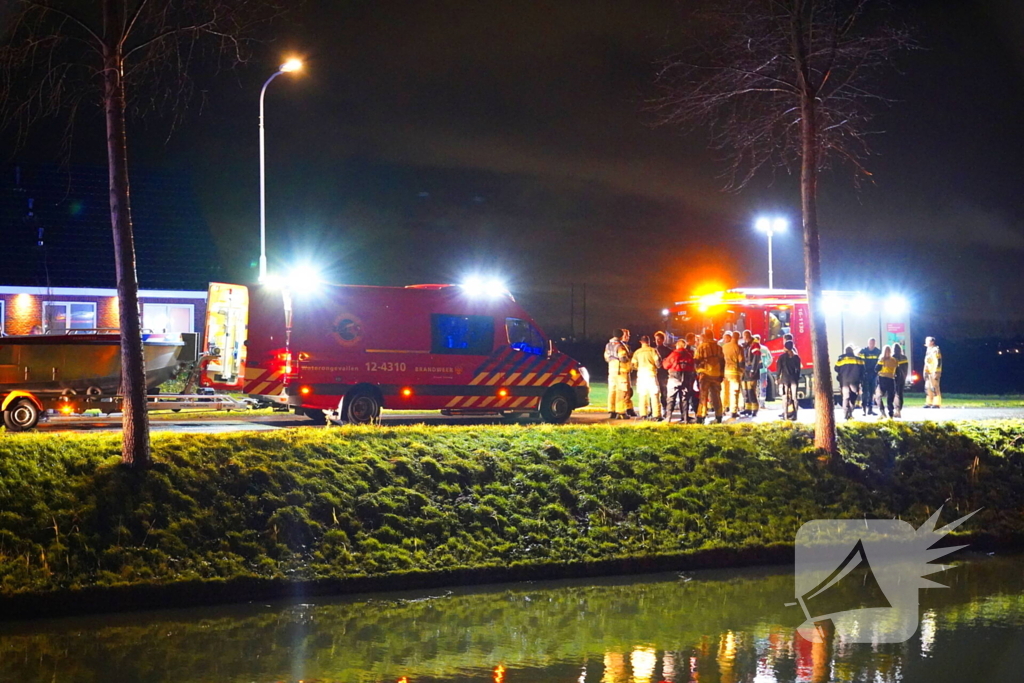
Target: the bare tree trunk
(824, 412)
(135, 430)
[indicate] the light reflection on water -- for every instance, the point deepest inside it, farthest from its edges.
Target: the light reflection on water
(719, 627)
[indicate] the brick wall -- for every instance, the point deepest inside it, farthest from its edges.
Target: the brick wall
(23, 311)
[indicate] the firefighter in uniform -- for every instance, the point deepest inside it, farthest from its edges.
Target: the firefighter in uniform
(869, 354)
(850, 372)
(902, 370)
(732, 387)
(932, 374)
(618, 357)
(647, 363)
(710, 364)
(751, 373)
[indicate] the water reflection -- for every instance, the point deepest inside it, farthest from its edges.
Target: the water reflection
(717, 628)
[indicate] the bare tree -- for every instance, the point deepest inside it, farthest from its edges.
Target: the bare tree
(57, 56)
(781, 82)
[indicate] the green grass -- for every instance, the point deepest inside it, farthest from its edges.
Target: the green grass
(353, 502)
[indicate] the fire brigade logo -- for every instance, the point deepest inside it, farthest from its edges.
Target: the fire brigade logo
(347, 330)
(863, 576)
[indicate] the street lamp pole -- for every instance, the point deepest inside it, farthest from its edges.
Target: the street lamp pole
(770, 227)
(289, 66)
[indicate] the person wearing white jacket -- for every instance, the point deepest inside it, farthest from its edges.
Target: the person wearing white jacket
(646, 362)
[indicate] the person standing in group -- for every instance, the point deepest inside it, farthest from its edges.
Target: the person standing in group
(932, 374)
(646, 363)
(692, 386)
(766, 364)
(751, 373)
(681, 376)
(869, 354)
(788, 368)
(663, 352)
(732, 387)
(850, 372)
(618, 357)
(710, 365)
(887, 367)
(902, 370)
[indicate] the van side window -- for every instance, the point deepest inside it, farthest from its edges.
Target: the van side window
(472, 335)
(522, 336)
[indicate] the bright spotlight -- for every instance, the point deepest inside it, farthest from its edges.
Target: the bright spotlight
(664, 313)
(779, 225)
(763, 225)
(831, 303)
(292, 64)
(861, 304)
(274, 281)
(896, 305)
(477, 286)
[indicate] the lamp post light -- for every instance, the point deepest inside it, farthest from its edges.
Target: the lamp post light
(288, 67)
(770, 226)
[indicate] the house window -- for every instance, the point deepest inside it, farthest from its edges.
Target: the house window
(64, 316)
(171, 319)
(472, 335)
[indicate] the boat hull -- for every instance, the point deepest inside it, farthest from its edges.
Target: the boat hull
(79, 363)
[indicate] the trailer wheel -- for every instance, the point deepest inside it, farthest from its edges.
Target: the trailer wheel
(556, 406)
(21, 415)
(361, 407)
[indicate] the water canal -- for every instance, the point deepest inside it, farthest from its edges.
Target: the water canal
(725, 626)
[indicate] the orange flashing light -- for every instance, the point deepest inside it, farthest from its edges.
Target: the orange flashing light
(66, 409)
(503, 392)
(407, 392)
(305, 391)
(499, 674)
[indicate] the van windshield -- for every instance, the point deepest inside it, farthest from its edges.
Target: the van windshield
(522, 336)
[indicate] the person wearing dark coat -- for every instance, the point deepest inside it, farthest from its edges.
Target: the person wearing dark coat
(788, 376)
(850, 372)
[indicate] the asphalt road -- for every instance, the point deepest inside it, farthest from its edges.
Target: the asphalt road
(239, 422)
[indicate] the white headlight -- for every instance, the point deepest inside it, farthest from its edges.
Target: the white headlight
(585, 374)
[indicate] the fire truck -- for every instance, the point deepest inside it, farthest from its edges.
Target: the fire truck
(851, 318)
(346, 352)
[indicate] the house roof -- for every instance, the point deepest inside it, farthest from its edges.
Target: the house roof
(55, 224)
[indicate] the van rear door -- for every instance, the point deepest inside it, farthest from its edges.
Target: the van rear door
(227, 320)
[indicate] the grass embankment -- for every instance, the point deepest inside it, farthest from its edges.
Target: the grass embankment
(243, 515)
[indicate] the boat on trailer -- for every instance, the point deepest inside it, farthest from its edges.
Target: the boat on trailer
(80, 362)
(39, 370)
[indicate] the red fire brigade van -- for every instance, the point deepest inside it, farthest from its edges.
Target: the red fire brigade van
(353, 350)
(850, 318)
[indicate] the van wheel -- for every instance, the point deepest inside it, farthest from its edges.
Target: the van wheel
(556, 406)
(361, 408)
(21, 415)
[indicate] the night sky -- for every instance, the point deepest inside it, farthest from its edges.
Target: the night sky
(428, 140)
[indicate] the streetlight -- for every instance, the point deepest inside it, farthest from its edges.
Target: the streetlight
(770, 226)
(288, 67)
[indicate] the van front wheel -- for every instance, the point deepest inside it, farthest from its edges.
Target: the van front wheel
(556, 408)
